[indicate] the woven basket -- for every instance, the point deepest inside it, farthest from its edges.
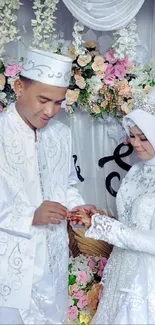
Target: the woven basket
(79, 244)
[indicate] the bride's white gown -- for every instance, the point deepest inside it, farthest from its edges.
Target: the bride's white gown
(129, 291)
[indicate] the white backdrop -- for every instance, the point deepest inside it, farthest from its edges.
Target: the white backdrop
(91, 139)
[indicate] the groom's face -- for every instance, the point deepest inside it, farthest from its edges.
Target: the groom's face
(37, 103)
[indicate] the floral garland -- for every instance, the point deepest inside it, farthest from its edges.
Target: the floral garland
(77, 36)
(8, 74)
(85, 287)
(8, 19)
(125, 41)
(43, 25)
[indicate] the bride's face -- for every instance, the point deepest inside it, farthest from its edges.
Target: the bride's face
(141, 144)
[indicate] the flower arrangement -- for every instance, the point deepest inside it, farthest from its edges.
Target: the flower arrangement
(85, 274)
(8, 74)
(8, 19)
(100, 85)
(43, 25)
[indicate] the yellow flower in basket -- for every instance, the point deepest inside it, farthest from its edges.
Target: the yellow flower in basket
(85, 318)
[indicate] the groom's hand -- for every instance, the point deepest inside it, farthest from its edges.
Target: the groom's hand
(81, 215)
(49, 213)
(86, 207)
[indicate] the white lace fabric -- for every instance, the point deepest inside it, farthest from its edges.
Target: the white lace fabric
(129, 292)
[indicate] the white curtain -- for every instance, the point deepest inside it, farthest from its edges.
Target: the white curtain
(104, 15)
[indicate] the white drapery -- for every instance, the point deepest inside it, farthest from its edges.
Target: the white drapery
(104, 15)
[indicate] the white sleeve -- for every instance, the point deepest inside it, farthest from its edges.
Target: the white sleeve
(115, 233)
(16, 215)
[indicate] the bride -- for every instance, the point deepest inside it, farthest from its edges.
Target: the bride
(129, 291)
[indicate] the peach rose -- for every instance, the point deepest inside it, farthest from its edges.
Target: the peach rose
(123, 89)
(80, 82)
(126, 108)
(78, 72)
(108, 96)
(90, 44)
(103, 89)
(72, 96)
(72, 53)
(94, 295)
(83, 60)
(104, 103)
(99, 65)
(147, 89)
(2, 81)
(94, 53)
(96, 109)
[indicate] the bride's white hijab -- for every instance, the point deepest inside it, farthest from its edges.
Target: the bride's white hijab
(142, 119)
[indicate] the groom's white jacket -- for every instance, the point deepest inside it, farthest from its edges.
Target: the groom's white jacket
(31, 172)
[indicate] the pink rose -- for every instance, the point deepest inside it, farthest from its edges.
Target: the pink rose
(126, 63)
(73, 312)
(103, 261)
(109, 80)
(100, 272)
(91, 263)
(19, 67)
(109, 56)
(110, 69)
(119, 71)
(78, 294)
(83, 302)
(10, 71)
(83, 277)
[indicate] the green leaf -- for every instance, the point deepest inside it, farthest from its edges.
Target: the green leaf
(75, 301)
(72, 279)
(70, 267)
(152, 83)
(22, 59)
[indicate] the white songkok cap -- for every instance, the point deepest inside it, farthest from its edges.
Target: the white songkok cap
(48, 68)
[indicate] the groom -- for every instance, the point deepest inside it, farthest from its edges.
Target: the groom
(37, 189)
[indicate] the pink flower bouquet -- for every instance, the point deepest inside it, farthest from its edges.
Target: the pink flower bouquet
(85, 274)
(8, 74)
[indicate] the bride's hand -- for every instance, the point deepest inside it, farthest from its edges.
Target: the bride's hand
(80, 218)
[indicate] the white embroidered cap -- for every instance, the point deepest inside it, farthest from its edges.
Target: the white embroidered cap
(46, 67)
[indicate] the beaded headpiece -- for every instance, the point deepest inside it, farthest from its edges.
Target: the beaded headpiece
(144, 102)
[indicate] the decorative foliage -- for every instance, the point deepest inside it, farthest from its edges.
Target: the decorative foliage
(8, 19)
(8, 74)
(125, 41)
(85, 274)
(43, 25)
